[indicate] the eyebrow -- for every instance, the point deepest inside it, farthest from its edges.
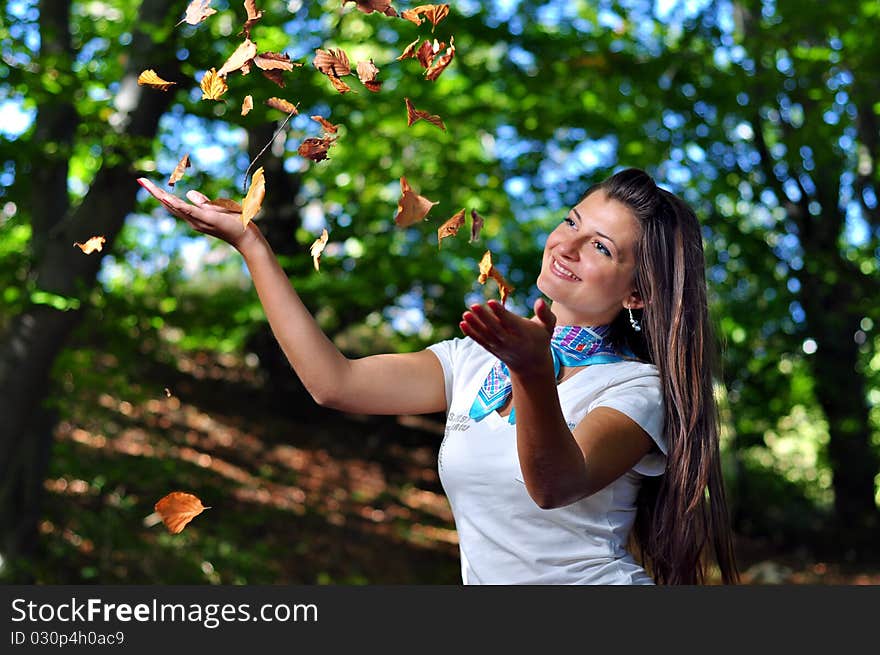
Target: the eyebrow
(605, 236)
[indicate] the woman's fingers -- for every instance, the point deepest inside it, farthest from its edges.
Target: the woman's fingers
(542, 311)
(196, 197)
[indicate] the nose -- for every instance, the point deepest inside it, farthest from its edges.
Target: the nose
(569, 245)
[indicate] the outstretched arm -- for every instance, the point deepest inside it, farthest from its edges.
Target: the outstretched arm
(407, 383)
(559, 466)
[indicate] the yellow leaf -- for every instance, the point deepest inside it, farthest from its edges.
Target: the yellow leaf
(182, 165)
(252, 202)
(247, 105)
(318, 247)
(213, 85)
(150, 79)
(93, 244)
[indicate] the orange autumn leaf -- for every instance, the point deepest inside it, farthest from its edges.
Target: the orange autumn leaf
(338, 84)
(150, 79)
(274, 61)
(434, 13)
(413, 115)
(227, 204)
(239, 59)
(213, 85)
(177, 509)
(367, 72)
(252, 202)
(282, 105)
(247, 104)
(369, 6)
(487, 270)
(253, 15)
(91, 245)
(177, 173)
(332, 62)
(318, 247)
(409, 51)
(197, 11)
(315, 148)
(411, 207)
(440, 64)
(450, 227)
(476, 225)
(327, 126)
(428, 51)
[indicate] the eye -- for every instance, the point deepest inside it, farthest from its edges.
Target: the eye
(568, 221)
(601, 248)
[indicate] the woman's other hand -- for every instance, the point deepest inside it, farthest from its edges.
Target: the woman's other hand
(523, 344)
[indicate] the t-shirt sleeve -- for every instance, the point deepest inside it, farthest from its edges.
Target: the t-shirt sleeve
(445, 352)
(641, 399)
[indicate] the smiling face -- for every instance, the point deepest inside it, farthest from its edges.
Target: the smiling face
(589, 263)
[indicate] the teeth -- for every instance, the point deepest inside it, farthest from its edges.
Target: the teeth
(564, 271)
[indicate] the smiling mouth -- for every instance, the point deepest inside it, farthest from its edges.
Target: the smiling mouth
(563, 272)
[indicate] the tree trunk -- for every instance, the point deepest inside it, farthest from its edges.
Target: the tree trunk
(64, 274)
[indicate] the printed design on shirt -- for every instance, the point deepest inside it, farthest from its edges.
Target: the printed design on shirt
(454, 423)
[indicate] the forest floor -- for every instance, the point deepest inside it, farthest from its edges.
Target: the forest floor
(297, 494)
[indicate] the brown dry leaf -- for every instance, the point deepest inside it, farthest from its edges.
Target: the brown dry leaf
(318, 247)
(182, 165)
(252, 202)
(367, 72)
(274, 75)
(253, 15)
(247, 104)
(227, 204)
(413, 114)
(487, 270)
(282, 105)
(476, 226)
(177, 509)
(434, 13)
(274, 61)
(332, 62)
(197, 11)
(428, 51)
(338, 84)
(409, 51)
(450, 227)
(315, 148)
(93, 244)
(213, 85)
(327, 126)
(411, 207)
(369, 6)
(239, 59)
(442, 62)
(150, 79)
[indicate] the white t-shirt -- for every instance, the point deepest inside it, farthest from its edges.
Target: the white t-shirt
(504, 537)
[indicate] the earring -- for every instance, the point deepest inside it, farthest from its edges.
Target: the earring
(632, 321)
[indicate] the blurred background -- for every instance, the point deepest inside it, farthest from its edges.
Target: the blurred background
(148, 366)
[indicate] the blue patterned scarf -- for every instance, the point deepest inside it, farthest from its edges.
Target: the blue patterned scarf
(570, 345)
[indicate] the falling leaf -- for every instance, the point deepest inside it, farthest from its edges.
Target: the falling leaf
(450, 227)
(328, 127)
(253, 15)
(332, 62)
(150, 79)
(213, 85)
(428, 51)
(167, 392)
(411, 207)
(318, 247)
(93, 244)
(409, 51)
(197, 11)
(227, 204)
(434, 13)
(282, 105)
(367, 72)
(338, 84)
(476, 225)
(177, 509)
(487, 270)
(182, 165)
(441, 63)
(247, 104)
(239, 59)
(252, 202)
(276, 76)
(315, 148)
(369, 6)
(413, 114)
(274, 61)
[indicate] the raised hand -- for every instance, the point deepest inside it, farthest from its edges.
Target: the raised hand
(521, 343)
(206, 218)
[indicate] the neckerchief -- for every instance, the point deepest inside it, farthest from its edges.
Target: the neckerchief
(570, 345)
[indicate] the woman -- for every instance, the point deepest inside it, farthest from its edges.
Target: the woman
(571, 434)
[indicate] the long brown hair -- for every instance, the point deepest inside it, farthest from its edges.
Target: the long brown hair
(682, 518)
